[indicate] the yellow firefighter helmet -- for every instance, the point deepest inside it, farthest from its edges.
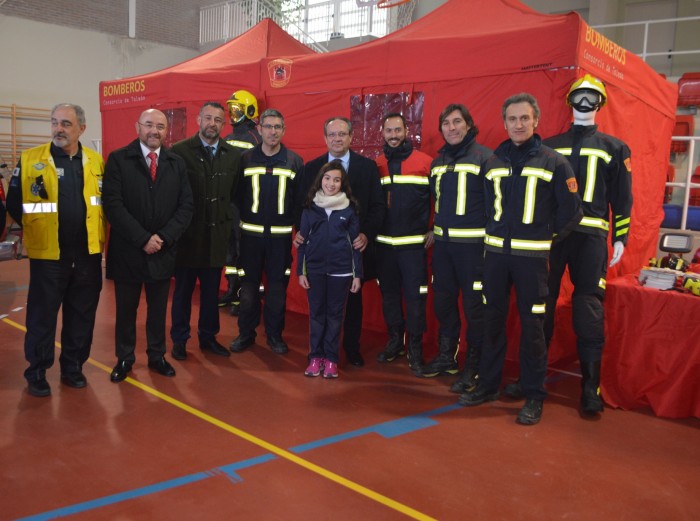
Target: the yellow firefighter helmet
(242, 104)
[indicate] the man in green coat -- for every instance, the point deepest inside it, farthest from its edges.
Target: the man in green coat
(213, 168)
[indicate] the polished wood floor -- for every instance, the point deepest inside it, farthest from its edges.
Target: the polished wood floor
(249, 437)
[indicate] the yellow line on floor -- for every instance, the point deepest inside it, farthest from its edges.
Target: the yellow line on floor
(282, 453)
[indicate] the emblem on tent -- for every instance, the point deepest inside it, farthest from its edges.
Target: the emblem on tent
(280, 72)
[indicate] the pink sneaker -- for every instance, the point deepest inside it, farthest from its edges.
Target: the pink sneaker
(314, 368)
(330, 369)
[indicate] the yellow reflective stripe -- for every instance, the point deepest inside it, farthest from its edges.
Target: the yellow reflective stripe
(594, 222)
(494, 175)
(466, 232)
(493, 241)
(593, 155)
(288, 272)
(438, 170)
(386, 180)
(621, 225)
(602, 283)
(280, 229)
(252, 227)
(410, 180)
(401, 241)
(520, 244)
(230, 270)
(241, 272)
(477, 286)
(437, 231)
(281, 190)
(533, 174)
(39, 208)
(256, 193)
(95, 200)
(461, 208)
(240, 144)
(423, 290)
(538, 309)
(254, 170)
(483, 298)
(284, 172)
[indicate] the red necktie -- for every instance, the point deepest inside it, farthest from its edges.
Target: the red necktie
(154, 165)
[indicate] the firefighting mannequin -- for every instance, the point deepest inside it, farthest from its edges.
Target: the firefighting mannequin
(603, 172)
(242, 110)
(402, 242)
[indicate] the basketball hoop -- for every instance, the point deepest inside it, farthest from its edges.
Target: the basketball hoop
(385, 4)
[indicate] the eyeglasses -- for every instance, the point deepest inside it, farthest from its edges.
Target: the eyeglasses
(150, 126)
(333, 135)
(267, 126)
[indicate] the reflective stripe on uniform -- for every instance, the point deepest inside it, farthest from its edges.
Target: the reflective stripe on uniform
(405, 180)
(258, 228)
(240, 144)
(594, 222)
(622, 225)
(593, 154)
(401, 241)
(477, 285)
(518, 244)
(95, 200)
(494, 175)
(538, 309)
(40, 207)
(602, 284)
(533, 175)
(423, 290)
(230, 270)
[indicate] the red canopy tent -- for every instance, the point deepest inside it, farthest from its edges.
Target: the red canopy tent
(477, 52)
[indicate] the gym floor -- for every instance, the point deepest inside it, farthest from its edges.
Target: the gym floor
(249, 437)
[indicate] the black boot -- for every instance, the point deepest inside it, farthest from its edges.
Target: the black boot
(227, 298)
(591, 404)
(470, 376)
(415, 353)
(394, 347)
(446, 360)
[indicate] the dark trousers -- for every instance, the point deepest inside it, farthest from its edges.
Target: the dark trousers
(327, 296)
(459, 267)
(127, 296)
(587, 258)
(181, 310)
(72, 284)
(273, 257)
(529, 276)
(352, 325)
(403, 272)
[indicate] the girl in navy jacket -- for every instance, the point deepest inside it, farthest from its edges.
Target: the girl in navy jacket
(327, 264)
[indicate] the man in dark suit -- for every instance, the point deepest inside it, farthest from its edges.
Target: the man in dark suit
(367, 190)
(147, 199)
(213, 167)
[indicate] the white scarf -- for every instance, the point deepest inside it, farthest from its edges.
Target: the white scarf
(338, 201)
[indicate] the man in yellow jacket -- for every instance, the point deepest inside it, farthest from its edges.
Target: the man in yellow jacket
(55, 193)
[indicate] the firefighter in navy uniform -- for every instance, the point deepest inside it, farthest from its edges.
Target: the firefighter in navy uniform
(531, 196)
(242, 110)
(457, 185)
(266, 199)
(603, 172)
(403, 240)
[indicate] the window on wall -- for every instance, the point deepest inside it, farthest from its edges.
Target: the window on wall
(368, 110)
(326, 19)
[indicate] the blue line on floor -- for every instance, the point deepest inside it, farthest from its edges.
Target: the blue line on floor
(388, 429)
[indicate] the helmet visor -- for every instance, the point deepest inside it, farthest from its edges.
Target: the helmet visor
(588, 96)
(236, 111)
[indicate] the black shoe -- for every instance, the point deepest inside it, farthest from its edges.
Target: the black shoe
(241, 343)
(591, 404)
(278, 345)
(39, 388)
(120, 371)
(467, 382)
(355, 358)
(226, 298)
(514, 391)
(440, 366)
(179, 351)
(161, 366)
(76, 380)
(214, 347)
(477, 397)
(531, 412)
